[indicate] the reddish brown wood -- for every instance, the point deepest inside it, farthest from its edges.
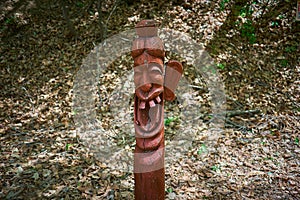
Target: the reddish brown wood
(152, 87)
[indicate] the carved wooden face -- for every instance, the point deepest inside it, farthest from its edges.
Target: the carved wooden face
(148, 80)
(148, 114)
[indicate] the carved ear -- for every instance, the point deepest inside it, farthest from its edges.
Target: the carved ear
(168, 95)
(173, 74)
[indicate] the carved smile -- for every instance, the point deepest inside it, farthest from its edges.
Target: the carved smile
(148, 115)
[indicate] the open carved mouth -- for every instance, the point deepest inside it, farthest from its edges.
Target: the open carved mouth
(148, 113)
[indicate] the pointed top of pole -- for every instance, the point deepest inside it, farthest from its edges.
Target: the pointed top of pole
(146, 28)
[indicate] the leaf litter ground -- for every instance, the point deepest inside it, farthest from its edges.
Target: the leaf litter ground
(257, 156)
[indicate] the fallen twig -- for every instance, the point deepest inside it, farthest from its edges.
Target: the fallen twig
(241, 112)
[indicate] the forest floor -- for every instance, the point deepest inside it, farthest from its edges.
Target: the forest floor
(256, 156)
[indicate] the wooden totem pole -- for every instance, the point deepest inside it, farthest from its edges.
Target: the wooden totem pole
(153, 84)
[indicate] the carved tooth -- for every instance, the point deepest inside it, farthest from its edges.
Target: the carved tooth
(151, 103)
(158, 99)
(142, 105)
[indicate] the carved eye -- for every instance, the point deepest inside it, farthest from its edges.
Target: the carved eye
(156, 74)
(139, 70)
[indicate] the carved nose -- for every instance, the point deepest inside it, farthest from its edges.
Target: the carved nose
(146, 87)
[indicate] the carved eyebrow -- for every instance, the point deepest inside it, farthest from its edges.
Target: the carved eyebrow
(139, 69)
(156, 67)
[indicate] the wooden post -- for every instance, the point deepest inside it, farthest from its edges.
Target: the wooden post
(152, 86)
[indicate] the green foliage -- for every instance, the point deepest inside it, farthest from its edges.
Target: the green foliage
(270, 173)
(216, 168)
(9, 20)
(269, 158)
(36, 176)
(202, 149)
(222, 4)
(169, 190)
(284, 62)
(290, 49)
(169, 120)
(246, 11)
(247, 28)
(68, 146)
(79, 4)
(214, 49)
(74, 112)
(297, 140)
(248, 31)
(210, 116)
(274, 24)
(221, 65)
